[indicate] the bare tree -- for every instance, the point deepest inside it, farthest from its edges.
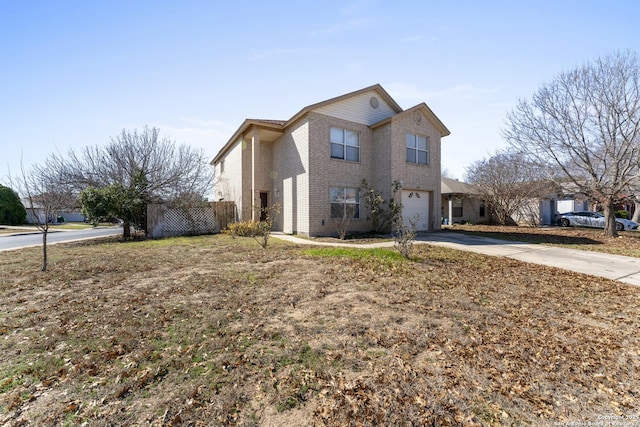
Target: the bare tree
(342, 214)
(586, 125)
(509, 183)
(46, 199)
(446, 173)
(144, 165)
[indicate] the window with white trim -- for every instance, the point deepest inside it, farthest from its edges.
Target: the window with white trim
(456, 206)
(345, 202)
(345, 144)
(417, 149)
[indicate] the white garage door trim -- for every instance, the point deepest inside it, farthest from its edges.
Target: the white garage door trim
(416, 202)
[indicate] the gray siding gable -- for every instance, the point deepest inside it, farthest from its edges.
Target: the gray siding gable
(358, 109)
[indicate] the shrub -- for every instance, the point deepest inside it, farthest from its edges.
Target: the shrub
(242, 229)
(259, 230)
(382, 213)
(622, 214)
(404, 235)
(12, 212)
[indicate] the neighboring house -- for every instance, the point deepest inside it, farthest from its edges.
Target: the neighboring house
(37, 214)
(319, 156)
(553, 204)
(461, 203)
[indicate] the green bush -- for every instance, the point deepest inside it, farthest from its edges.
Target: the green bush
(622, 214)
(12, 212)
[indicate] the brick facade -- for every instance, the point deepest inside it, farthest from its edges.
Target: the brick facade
(292, 162)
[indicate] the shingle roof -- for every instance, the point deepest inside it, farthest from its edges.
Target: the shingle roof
(453, 186)
(271, 122)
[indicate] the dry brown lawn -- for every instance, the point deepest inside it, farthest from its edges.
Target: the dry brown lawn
(215, 331)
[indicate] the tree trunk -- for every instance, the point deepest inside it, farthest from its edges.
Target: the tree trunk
(126, 229)
(610, 224)
(636, 211)
(44, 250)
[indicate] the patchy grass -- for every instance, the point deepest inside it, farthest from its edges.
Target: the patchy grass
(214, 330)
(628, 243)
(375, 254)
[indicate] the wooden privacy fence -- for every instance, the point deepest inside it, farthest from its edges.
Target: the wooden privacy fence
(225, 213)
(206, 218)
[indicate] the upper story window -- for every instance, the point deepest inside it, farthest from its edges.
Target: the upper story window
(222, 166)
(417, 149)
(345, 144)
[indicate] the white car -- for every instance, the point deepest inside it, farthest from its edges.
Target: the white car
(592, 219)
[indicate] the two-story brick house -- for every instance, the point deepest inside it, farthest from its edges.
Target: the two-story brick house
(317, 159)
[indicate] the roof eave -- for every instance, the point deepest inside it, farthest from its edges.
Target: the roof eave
(241, 130)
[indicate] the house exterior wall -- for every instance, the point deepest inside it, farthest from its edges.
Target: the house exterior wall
(326, 172)
(381, 178)
(470, 210)
(230, 183)
(412, 176)
(290, 178)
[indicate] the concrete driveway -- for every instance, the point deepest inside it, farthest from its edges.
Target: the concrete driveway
(615, 267)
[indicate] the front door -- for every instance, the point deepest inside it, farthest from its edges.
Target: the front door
(263, 206)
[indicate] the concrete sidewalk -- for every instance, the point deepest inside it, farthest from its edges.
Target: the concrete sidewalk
(615, 267)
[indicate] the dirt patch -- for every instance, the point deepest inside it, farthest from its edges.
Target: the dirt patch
(214, 330)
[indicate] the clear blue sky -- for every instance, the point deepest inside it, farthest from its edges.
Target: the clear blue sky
(75, 73)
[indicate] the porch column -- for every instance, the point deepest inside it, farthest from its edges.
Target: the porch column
(450, 205)
(255, 174)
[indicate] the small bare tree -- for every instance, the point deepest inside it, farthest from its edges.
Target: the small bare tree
(509, 183)
(264, 227)
(405, 234)
(342, 214)
(46, 199)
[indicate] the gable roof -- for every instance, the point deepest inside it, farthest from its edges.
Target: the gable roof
(376, 88)
(435, 121)
(280, 125)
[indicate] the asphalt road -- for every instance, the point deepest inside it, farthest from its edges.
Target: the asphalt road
(22, 240)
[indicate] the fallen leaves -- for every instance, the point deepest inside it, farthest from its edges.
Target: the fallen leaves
(208, 330)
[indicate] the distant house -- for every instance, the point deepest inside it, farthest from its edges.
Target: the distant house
(553, 204)
(36, 214)
(314, 162)
(461, 203)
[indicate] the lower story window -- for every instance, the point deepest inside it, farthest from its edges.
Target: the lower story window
(345, 202)
(457, 208)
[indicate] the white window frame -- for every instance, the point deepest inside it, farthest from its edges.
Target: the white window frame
(414, 149)
(345, 196)
(343, 145)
